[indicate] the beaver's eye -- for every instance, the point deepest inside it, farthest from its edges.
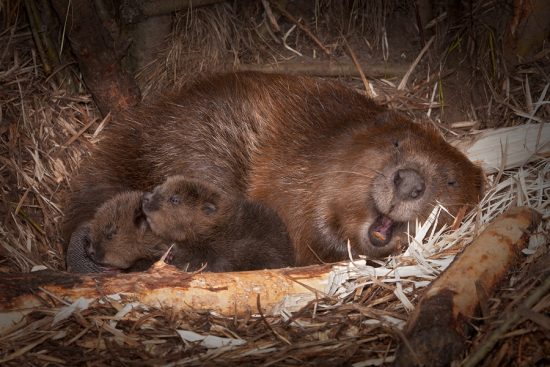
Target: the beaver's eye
(174, 200)
(209, 208)
(110, 234)
(396, 143)
(452, 182)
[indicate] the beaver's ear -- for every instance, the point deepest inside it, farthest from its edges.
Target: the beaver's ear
(480, 182)
(387, 117)
(209, 208)
(383, 118)
(140, 220)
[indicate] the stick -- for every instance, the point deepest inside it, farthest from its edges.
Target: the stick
(33, 21)
(368, 88)
(414, 64)
(269, 15)
(303, 28)
(508, 147)
(324, 68)
(164, 285)
(438, 326)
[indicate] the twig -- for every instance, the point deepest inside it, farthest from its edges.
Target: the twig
(414, 64)
(303, 28)
(264, 320)
(50, 57)
(368, 87)
(29, 6)
(27, 218)
(78, 134)
(286, 45)
(46, 41)
(20, 204)
(270, 16)
(419, 24)
(10, 38)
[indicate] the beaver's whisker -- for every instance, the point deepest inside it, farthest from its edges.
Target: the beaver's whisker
(349, 172)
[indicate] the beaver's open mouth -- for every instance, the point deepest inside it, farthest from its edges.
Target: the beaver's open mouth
(381, 231)
(110, 270)
(98, 265)
(104, 268)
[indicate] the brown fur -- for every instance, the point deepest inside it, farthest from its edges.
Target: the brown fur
(119, 235)
(225, 232)
(318, 153)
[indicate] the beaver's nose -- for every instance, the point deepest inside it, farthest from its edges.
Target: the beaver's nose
(148, 203)
(147, 198)
(89, 248)
(409, 184)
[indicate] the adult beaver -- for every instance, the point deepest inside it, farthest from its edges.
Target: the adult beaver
(333, 164)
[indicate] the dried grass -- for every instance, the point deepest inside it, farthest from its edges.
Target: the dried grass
(38, 154)
(202, 40)
(218, 37)
(44, 133)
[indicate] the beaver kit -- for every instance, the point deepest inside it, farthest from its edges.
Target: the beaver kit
(222, 232)
(118, 237)
(330, 162)
(209, 229)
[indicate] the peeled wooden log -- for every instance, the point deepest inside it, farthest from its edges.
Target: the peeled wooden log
(436, 330)
(164, 285)
(507, 147)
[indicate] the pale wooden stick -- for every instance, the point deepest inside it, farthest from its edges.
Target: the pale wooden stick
(508, 147)
(166, 286)
(437, 328)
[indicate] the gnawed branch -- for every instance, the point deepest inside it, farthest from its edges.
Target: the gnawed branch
(508, 147)
(164, 285)
(436, 331)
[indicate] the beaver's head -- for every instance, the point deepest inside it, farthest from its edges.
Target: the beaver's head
(395, 172)
(119, 234)
(182, 209)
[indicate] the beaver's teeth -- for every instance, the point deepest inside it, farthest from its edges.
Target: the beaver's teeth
(380, 232)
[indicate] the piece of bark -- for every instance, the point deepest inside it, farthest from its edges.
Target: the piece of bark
(112, 88)
(507, 147)
(437, 329)
(164, 285)
(325, 68)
